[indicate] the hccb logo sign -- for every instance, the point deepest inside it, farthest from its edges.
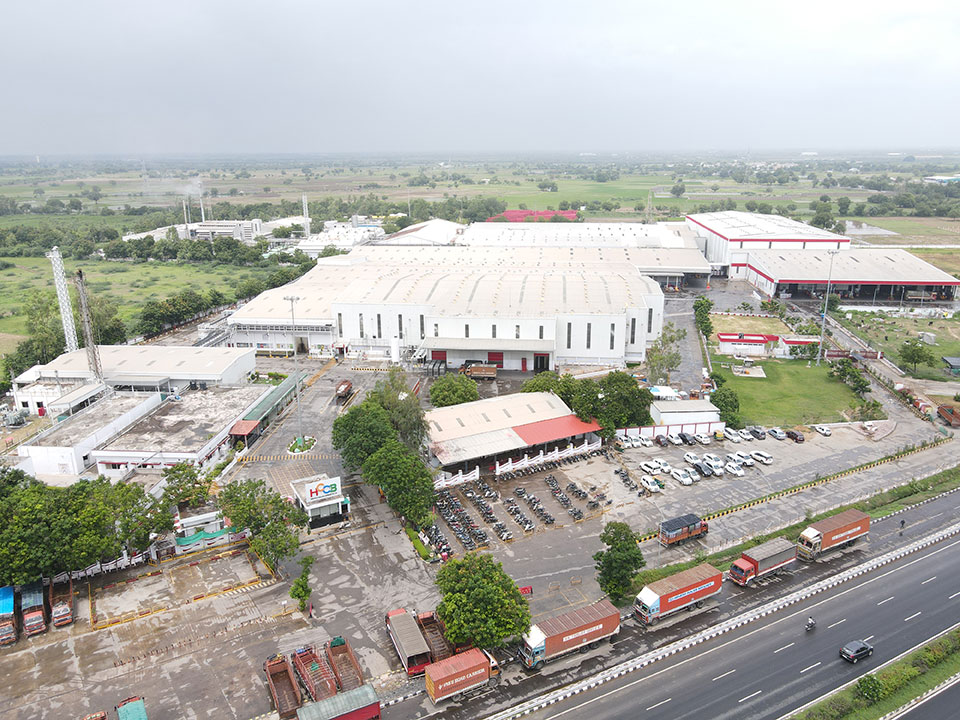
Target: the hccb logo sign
(321, 490)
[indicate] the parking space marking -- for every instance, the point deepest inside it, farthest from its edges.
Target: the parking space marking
(868, 638)
(662, 702)
(953, 596)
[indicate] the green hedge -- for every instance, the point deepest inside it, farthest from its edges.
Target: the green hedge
(417, 543)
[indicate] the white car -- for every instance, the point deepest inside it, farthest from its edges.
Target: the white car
(702, 439)
(741, 458)
(776, 433)
(644, 441)
(823, 430)
(712, 459)
(731, 435)
(674, 439)
(715, 466)
(761, 456)
(745, 434)
(682, 476)
(691, 458)
(649, 484)
(665, 467)
(733, 469)
(650, 467)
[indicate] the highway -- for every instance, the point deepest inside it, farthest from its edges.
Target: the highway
(936, 707)
(773, 666)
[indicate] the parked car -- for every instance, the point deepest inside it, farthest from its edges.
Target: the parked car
(823, 430)
(745, 434)
(702, 438)
(711, 458)
(665, 467)
(687, 438)
(650, 467)
(719, 436)
(796, 436)
(731, 435)
(649, 484)
(682, 476)
(777, 434)
(661, 440)
(761, 456)
(743, 459)
(714, 463)
(758, 432)
(675, 439)
(733, 469)
(704, 469)
(856, 650)
(691, 458)
(644, 441)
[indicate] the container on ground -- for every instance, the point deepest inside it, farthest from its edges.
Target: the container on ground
(688, 589)
(344, 664)
(283, 686)
(575, 630)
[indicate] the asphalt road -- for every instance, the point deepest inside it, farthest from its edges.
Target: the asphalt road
(936, 707)
(771, 667)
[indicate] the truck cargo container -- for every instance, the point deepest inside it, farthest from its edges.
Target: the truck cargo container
(575, 630)
(459, 674)
(949, 415)
(676, 531)
(33, 608)
(360, 703)
(315, 673)
(480, 372)
(688, 589)
(432, 629)
(61, 602)
(408, 640)
(283, 686)
(840, 530)
(344, 664)
(344, 391)
(773, 556)
(131, 709)
(9, 622)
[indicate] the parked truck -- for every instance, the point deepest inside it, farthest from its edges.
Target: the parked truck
(33, 608)
(773, 556)
(479, 371)
(283, 686)
(360, 703)
(432, 629)
(131, 709)
(949, 415)
(574, 630)
(683, 590)
(9, 624)
(459, 674)
(840, 530)
(408, 640)
(676, 531)
(344, 664)
(315, 673)
(61, 602)
(344, 391)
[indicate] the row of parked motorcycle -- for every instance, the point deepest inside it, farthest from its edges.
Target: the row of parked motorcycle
(552, 464)
(517, 514)
(625, 478)
(456, 516)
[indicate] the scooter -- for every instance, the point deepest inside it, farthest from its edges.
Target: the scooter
(811, 624)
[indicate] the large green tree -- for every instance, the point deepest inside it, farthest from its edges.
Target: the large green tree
(453, 389)
(481, 603)
(619, 562)
(404, 479)
(185, 485)
(361, 431)
(402, 406)
(725, 399)
(663, 355)
(915, 352)
(273, 522)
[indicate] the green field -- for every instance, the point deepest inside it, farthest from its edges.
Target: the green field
(791, 394)
(947, 260)
(127, 284)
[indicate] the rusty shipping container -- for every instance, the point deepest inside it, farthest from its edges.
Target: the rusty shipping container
(460, 673)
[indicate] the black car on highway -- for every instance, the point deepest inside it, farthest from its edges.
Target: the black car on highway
(856, 650)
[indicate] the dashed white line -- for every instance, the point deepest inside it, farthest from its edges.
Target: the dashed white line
(838, 622)
(953, 596)
(912, 616)
(730, 672)
(809, 668)
(887, 600)
(784, 648)
(662, 702)
(929, 580)
(750, 696)
(868, 638)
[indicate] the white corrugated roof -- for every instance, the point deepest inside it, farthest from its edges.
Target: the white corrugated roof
(856, 265)
(492, 414)
(736, 225)
(675, 406)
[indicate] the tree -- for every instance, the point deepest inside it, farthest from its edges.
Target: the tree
(273, 522)
(360, 432)
(617, 565)
(678, 189)
(663, 355)
(843, 205)
(718, 378)
(402, 406)
(915, 352)
(833, 302)
(481, 604)
(453, 389)
(701, 313)
(185, 485)
(300, 588)
(725, 399)
(404, 479)
(750, 205)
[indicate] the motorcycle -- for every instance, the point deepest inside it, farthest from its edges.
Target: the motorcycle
(811, 624)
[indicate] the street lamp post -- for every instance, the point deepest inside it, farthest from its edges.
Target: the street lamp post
(292, 299)
(826, 301)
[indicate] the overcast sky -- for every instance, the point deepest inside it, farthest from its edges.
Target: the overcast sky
(211, 76)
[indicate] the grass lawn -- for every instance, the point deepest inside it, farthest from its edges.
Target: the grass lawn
(888, 334)
(791, 394)
(9, 342)
(758, 325)
(947, 260)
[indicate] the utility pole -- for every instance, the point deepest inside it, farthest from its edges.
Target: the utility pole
(292, 299)
(826, 300)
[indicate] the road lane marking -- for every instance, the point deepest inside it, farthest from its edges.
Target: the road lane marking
(868, 638)
(662, 702)
(750, 696)
(911, 617)
(953, 596)
(887, 600)
(929, 580)
(783, 648)
(731, 672)
(838, 622)
(809, 668)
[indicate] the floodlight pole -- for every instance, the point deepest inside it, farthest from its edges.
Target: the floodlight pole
(292, 299)
(826, 301)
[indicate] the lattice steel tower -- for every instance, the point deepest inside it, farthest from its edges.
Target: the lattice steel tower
(63, 297)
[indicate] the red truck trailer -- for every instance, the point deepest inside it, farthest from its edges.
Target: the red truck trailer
(840, 530)
(344, 664)
(283, 686)
(432, 629)
(360, 703)
(773, 556)
(571, 631)
(949, 415)
(61, 602)
(315, 673)
(676, 531)
(459, 674)
(688, 589)
(344, 391)
(408, 640)
(33, 608)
